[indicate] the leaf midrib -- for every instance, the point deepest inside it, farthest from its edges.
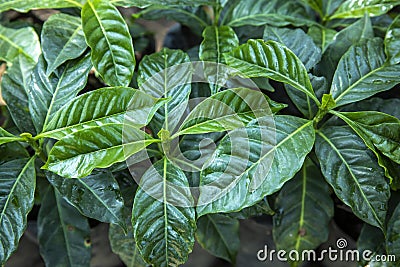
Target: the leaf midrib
(352, 86)
(292, 82)
(352, 175)
(13, 188)
(63, 227)
(103, 30)
(100, 200)
(20, 49)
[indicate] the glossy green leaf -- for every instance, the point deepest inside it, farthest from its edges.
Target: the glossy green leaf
(392, 42)
(124, 246)
(259, 172)
(363, 72)
(97, 196)
(63, 233)
(321, 36)
(14, 90)
(193, 17)
(62, 39)
(164, 231)
(17, 178)
(4, 133)
(357, 9)
(371, 238)
(303, 103)
(317, 5)
(9, 139)
(357, 32)
(26, 5)
(330, 6)
(393, 234)
(351, 169)
(219, 235)
(158, 77)
(77, 154)
(257, 210)
(144, 3)
(12, 151)
(227, 110)
(388, 106)
(304, 48)
(258, 58)
(89, 110)
(305, 209)
(47, 94)
(108, 36)
(381, 129)
(298, 42)
(262, 12)
(216, 42)
(23, 42)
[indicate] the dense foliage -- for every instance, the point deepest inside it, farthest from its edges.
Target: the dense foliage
(70, 147)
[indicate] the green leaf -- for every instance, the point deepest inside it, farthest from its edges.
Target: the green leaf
(12, 151)
(164, 231)
(262, 12)
(124, 104)
(4, 140)
(63, 233)
(357, 32)
(144, 3)
(124, 246)
(388, 106)
(304, 48)
(26, 5)
(305, 209)
(77, 154)
(237, 178)
(362, 72)
(17, 178)
(372, 239)
(219, 235)
(108, 36)
(14, 89)
(357, 9)
(351, 169)
(227, 110)
(23, 42)
(321, 36)
(303, 103)
(158, 77)
(393, 234)
(62, 39)
(193, 17)
(330, 6)
(216, 42)
(258, 58)
(97, 196)
(259, 209)
(392, 42)
(298, 42)
(314, 4)
(47, 94)
(381, 129)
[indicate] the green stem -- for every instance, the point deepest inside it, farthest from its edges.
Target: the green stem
(27, 137)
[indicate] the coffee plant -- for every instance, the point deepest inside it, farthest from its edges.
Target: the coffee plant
(287, 109)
